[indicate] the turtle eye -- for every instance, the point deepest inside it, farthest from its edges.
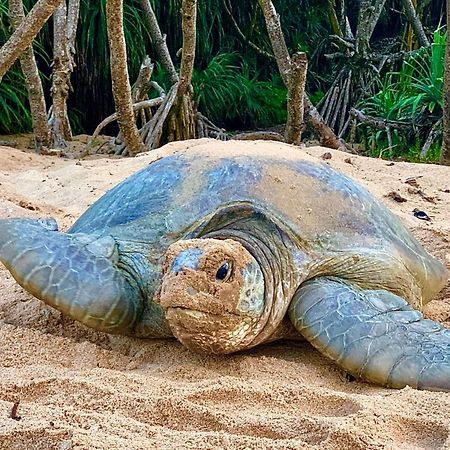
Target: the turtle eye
(224, 271)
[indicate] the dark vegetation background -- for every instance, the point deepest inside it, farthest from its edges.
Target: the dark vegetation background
(236, 87)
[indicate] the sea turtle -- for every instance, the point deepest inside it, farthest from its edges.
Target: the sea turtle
(229, 248)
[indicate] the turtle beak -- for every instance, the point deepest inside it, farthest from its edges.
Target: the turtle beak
(71, 273)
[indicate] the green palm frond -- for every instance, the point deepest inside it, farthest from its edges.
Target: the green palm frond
(14, 110)
(229, 92)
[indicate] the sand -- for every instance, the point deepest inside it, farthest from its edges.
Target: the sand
(79, 389)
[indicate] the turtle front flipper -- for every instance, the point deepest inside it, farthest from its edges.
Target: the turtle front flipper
(373, 334)
(76, 274)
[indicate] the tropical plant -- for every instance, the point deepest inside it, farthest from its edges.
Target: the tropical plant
(421, 81)
(248, 95)
(217, 87)
(14, 112)
(230, 93)
(412, 95)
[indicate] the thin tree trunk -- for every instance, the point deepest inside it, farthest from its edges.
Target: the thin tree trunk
(284, 63)
(182, 120)
(23, 36)
(120, 81)
(290, 71)
(241, 35)
(334, 21)
(73, 13)
(189, 26)
(142, 84)
(276, 37)
(369, 13)
(159, 41)
(64, 33)
(445, 154)
(139, 90)
(411, 15)
(296, 94)
(62, 68)
(33, 81)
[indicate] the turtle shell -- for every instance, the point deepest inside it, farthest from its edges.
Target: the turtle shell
(335, 215)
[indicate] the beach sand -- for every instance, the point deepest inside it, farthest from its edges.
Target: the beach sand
(80, 389)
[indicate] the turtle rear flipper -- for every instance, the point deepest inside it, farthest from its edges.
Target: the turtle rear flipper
(373, 334)
(75, 274)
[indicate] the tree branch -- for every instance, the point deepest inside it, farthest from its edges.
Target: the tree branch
(23, 36)
(259, 136)
(411, 15)
(136, 107)
(33, 82)
(159, 41)
(242, 35)
(378, 122)
(327, 136)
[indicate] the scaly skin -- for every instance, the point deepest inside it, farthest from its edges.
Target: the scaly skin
(373, 334)
(61, 270)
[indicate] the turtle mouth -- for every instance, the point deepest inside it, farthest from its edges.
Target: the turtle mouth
(197, 313)
(183, 310)
(208, 332)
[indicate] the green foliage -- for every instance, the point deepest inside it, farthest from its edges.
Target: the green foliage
(229, 92)
(423, 74)
(234, 85)
(14, 111)
(412, 95)
(246, 94)
(378, 148)
(92, 37)
(218, 86)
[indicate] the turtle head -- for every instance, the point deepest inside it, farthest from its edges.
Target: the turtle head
(213, 294)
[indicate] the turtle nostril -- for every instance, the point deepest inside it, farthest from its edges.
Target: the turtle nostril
(191, 291)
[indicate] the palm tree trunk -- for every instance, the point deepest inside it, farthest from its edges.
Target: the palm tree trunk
(445, 154)
(23, 35)
(120, 81)
(33, 81)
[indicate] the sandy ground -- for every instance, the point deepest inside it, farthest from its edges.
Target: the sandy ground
(79, 389)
